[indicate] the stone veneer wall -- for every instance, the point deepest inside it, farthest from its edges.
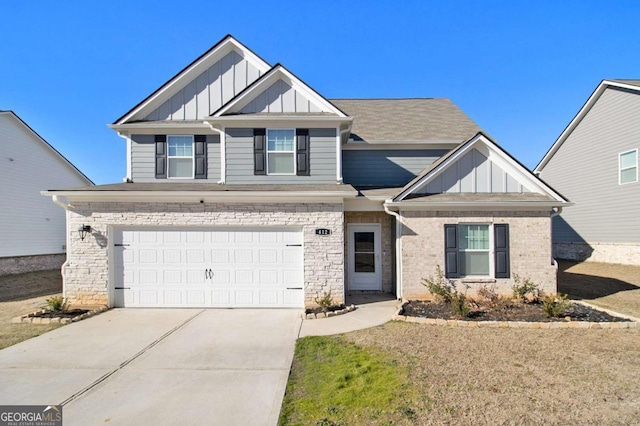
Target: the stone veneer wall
(86, 275)
(529, 244)
(622, 253)
(387, 243)
(22, 264)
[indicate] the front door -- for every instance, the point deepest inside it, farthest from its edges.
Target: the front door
(364, 257)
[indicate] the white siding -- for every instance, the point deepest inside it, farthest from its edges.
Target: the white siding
(585, 170)
(209, 91)
(280, 97)
(474, 173)
(31, 224)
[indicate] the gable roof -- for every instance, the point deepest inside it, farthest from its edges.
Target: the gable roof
(633, 85)
(189, 72)
(524, 175)
(28, 129)
(277, 72)
(407, 120)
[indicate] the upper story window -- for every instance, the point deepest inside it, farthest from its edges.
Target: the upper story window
(628, 167)
(281, 152)
(180, 156)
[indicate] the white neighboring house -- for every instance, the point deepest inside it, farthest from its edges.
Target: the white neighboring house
(32, 229)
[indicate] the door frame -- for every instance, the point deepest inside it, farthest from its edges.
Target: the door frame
(377, 240)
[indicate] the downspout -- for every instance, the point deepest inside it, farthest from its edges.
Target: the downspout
(126, 137)
(223, 152)
(398, 248)
(63, 268)
(554, 212)
(339, 153)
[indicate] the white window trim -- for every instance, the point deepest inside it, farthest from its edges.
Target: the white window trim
(491, 251)
(620, 169)
(295, 162)
(192, 157)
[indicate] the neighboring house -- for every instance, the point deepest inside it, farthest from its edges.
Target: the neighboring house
(594, 162)
(249, 188)
(32, 228)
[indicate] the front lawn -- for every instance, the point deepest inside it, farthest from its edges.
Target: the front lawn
(403, 373)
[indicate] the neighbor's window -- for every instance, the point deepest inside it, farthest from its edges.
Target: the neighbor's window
(281, 156)
(180, 156)
(473, 247)
(628, 164)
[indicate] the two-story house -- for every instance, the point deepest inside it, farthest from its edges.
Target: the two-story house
(247, 188)
(594, 162)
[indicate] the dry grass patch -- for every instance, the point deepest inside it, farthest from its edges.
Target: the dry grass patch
(515, 376)
(610, 286)
(22, 294)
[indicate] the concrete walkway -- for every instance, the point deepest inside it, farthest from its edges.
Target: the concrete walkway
(372, 310)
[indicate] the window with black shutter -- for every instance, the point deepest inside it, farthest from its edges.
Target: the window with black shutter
(161, 156)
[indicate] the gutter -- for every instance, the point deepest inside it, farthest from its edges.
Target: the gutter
(554, 212)
(63, 268)
(398, 247)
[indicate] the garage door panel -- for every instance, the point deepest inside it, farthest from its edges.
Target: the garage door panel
(209, 268)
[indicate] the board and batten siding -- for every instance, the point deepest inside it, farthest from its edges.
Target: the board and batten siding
(585, 170)
(386, 167)
(31, 224)
(280, 97)
(239, 156)
(209, 91)
(474, 173)
(143, 159)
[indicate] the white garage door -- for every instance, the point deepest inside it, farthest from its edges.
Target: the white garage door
(208, 268)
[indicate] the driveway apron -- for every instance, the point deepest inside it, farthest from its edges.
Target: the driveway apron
(158, 366)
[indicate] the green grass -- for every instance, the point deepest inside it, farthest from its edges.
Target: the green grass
(334, 382)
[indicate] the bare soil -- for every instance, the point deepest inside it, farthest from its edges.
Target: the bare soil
(515, 376)
(610, 286)
(22, 294)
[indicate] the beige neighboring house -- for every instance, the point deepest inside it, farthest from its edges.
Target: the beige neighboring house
(248, 188)
(594, 162)
(33, 229)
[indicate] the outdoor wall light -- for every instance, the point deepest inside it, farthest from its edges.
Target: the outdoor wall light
(83, 231)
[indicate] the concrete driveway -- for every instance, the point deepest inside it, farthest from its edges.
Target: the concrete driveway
(158, 366)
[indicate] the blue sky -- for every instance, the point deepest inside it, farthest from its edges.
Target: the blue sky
(520, 69)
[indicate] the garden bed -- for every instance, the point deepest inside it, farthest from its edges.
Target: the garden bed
(331, 311)
(63, 317)
(517, 311)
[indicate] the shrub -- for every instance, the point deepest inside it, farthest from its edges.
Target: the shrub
(492, 299)
(56, 303)
(325, 302)
(554, 305)
(441, 288)
(459, 305)
(524, 289)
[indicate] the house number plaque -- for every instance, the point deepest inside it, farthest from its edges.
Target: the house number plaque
(323, 231)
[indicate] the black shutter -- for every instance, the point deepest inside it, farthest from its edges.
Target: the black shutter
(161, 156)
(259, 151)
(200, 148)
(302, 152)
(451, 251)
(501, 246)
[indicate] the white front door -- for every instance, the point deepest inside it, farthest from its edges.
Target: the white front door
(364, 257)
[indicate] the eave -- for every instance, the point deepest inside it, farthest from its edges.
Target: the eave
(472, 206)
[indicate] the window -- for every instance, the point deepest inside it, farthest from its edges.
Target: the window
(180, 156)
(281, 154)
(628, 167)
(473, 248)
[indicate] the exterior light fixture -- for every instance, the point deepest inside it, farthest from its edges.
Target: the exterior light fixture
(83, 231)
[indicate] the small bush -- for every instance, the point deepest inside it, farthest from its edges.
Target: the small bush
(325, 301)
(459, 305)
(56, 303)
(554, 305)
(524, 289)
(489, 297)
(441, 288)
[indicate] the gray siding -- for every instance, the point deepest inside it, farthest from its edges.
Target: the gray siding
(585, 170)
(143, 159)
(280, 97)
(209, 91)
(239, 149)
(474, 173)
(386, 167)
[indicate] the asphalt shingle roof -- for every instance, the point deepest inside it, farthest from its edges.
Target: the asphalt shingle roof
(405, 120)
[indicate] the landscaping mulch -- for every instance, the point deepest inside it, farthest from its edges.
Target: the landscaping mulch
(529, 312)
(72, 313)
(318, 309)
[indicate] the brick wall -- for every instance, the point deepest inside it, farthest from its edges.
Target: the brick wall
(86, 275)
(387, 243)
(423, 248)
(22, 264)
